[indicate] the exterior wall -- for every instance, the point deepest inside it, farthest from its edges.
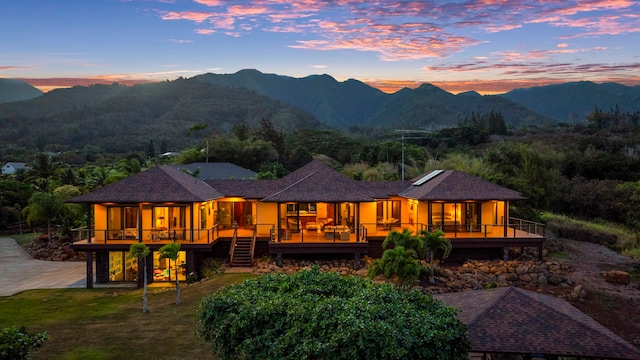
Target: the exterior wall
(423, 213)
(100, 221)
(266, 216)
(488, 213)
(368, 215)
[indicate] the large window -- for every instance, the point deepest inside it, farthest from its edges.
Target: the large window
(122, 222)
(168, 270)
(121, 267)
(456, 216)
(169, 222)
(388, 213)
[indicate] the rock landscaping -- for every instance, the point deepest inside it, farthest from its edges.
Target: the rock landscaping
(472, 275)
(56, 250)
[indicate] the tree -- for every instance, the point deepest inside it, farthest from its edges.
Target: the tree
(171, 251)
(141, 251)
(15, 343)
(434, 241)
(397, 263)
(44, 206)
(316, 315)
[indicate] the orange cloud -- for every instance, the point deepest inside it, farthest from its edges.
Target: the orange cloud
(48, 84)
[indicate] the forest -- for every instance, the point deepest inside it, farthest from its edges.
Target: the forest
(586, 170)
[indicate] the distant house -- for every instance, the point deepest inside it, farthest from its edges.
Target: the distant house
(11, 168)
(216, 171)
(313, 210)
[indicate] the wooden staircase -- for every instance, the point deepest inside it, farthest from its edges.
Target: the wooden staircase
(241, 255)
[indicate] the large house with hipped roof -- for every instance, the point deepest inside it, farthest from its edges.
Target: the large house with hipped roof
(313, 210)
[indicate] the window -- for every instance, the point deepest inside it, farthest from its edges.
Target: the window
(122, 222)
(167, 270)
(388, 212)
(464, 216)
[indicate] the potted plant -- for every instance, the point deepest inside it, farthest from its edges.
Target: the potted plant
(221, 214)
(248, 222)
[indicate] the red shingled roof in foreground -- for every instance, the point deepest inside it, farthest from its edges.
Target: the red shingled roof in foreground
(157, 185)
(517, 321)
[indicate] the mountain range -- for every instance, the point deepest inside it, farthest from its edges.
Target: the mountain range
(112, 116)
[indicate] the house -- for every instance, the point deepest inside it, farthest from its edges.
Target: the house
(312, 211)
(216, 170)
(11, 168)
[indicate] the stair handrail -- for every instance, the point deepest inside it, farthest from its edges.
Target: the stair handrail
(253, 242)
(233, 243)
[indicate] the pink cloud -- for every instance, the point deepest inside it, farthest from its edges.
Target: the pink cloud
(195, 16)
(409, 30)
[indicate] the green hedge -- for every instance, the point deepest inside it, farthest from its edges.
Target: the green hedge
(316, 315)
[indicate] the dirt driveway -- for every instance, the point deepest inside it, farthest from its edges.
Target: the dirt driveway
(19, 271)
(614, 306)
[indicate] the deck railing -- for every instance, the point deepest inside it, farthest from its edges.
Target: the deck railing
(515, 228)
(328, 234)
(104, 236)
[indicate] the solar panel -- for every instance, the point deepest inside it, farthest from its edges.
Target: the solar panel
(428, 177)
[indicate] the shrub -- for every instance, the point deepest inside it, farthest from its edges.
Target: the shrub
(315, 315)
(210, 267)
(15, 343)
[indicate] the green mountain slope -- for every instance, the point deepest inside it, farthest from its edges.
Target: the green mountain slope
(429, 107)
(353, 103)
(16, 90)
(122, 119)
(575, 100)
(337, 104)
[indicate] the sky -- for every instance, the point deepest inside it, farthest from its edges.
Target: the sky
(489, 46)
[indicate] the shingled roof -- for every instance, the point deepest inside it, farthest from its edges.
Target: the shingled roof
(517, 321)
(156, 185)
(451, 185)
(248, 189)
(217, 170)
(316, 182)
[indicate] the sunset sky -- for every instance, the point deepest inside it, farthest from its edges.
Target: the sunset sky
(490, 46)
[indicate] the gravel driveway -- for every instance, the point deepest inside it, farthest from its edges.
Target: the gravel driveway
(19, 271)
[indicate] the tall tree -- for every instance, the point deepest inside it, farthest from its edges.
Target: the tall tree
(44, 206)
(43, 167)
(171, 251)
(141, 251)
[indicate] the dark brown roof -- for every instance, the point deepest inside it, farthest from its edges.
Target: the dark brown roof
(316, 182)
(156, 185)
(381, 189)
(453, 185)
(512, 320)
(248, 189)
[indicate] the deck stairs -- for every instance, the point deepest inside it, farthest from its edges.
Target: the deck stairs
(242, 256)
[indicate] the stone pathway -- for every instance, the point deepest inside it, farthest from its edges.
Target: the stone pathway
(19, 271)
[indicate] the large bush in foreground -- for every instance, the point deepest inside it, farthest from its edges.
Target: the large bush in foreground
(316, 315)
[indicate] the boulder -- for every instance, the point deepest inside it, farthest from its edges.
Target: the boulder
(617, 277)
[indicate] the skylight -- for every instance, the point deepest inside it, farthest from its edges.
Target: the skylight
(428, 177)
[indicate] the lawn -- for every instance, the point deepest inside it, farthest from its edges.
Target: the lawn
(108, 323)
(23, 238)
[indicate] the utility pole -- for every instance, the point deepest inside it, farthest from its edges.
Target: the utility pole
(402, 138)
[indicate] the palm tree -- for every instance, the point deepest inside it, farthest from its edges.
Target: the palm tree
(43, 167)
(44, 206)
(141, 251)
(434, 241)
(171, 251)
(397, 262)
(407, 240)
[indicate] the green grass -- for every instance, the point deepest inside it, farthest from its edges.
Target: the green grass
(23, 238)
(109, 323)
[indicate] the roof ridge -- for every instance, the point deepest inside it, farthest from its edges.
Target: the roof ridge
(584, 320)
(190, 177)
(291, 185)
(492, 302)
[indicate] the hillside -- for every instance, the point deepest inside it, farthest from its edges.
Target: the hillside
(353, 103)
(16, 90)
(120, 119)
(575, 100)
(431, 107)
